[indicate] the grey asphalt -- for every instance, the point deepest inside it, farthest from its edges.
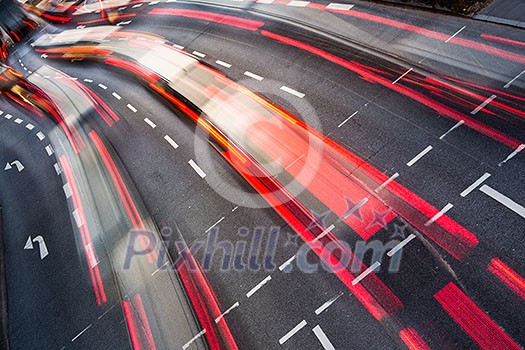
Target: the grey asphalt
(511, 12)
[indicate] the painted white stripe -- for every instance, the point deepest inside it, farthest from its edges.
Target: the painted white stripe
(224, 64)
(1, 112)
(298, 3)
(401, 244)
(88, 80)
(79, 334)
(323, 339)
(457, 125)
(153, 3)
(481, 106)
(292, 332)
(215, 224)
(160, 268)
(178, 47)
(197, 169)
(234, 209)
(419, 156)
(366, 273)
(58, 170)
(171, 142)
(8, 116)
(259, 286)
(456, 33)
(326, 305)
(199, 54)
(292, 91)
(117, 96)
(67, 190)
(217, 320)
(337, 6)
(40, 135)
(18, 121)
(514, 79)
(201, 333)
(347, 119)
(102, 86)
(253, 76)
(78, 218)
(325, 232)
(402, 76)
(150, 123)
(355, 207)
(506, 201)
(91, 255)
(133, 109)
(136, 5)
(49, 150)
(384, 184)
(286, 263)
(475, 185)
(30, 126)
(513, 154)
(439, 214)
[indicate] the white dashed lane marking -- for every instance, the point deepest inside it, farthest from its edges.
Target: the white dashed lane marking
(253, 76)
(292, 332)
(292, 91)
(197, 169)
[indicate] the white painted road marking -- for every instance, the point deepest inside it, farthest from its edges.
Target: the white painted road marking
(178, 47)
(253, 76)
(384, 184)
(58, 170)
(292, 91)
(286, 263)
(457, 125)
(18, 121)
(197, 169)
(67, 190)
(298, 3)
(117, 96)
(456, 33)
(481, 106)
(366, 273)
(419, 156)
(324, 233)
(259, 286)
(292, 332)
(401, 245)
(133, 109)
(49, 150)
(217, 320)
(83, 331)
(402, 76)
(337, 6)
(506, 201)
(88, 80)
(200, 334)
(8, 116)
(199, 54)
(102, 86)
(150, 123)
(40, 136)
(514, 79)
(323, 339)
(347, 119)
(513, 154)
(30, 126)
(224, 64)
(475, 185)
(215, 224)
(439, 214)
(171, 142)
(326, 305)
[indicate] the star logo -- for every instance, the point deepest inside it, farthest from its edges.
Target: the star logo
(379, 219)
(319, 219)
(291, 239)
(354, 209)
(399, 231)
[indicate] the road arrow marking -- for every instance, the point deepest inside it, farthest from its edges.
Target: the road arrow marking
(41, 245)
(18, 165)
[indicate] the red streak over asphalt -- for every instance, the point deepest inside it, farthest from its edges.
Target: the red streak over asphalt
(508, 276)
(138, 324)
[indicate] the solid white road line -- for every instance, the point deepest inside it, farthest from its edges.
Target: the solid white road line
(286, 263)
(200, 334)
(439, 214)
(506, 201)
(217, 320)
(326, 305)
(253, 76)
(224, 64)
(171, 142)
(292, 91)
(366, 273)
(259, 286)
(337, 6)
(401, 245)
(291, 333)
(384, 184)
(457, 125)
(475, 185)
(514, 79)
(513, 154)
(323, 339)
(419, 156)
(456, 33)
(402, 76)
(133, 109)
(150, 123)
(347, 119)
(481, 106)
(197, 169)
